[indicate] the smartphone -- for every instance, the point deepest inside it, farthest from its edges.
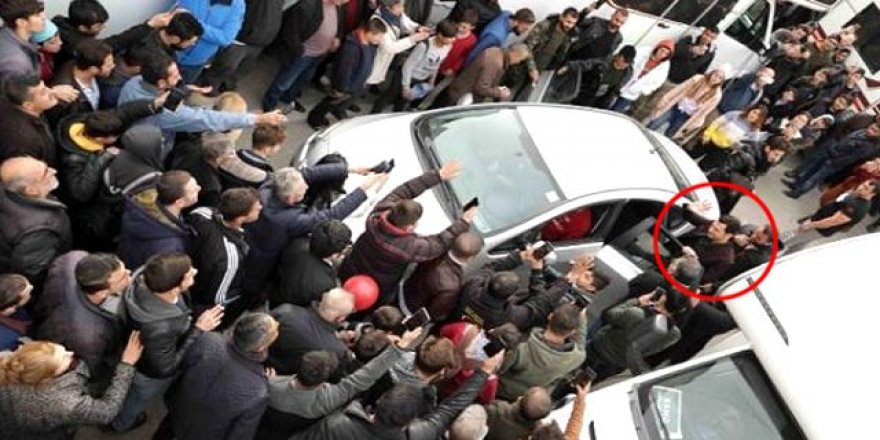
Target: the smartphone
(419, 319)
(585, 376)
(542, 250)
(471, 203)
(494, 346)
(174, 99)
(658, 293)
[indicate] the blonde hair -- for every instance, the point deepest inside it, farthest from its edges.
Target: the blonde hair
(34, 363)
(234, 103)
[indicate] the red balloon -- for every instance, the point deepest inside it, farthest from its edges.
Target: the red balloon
(364, 289)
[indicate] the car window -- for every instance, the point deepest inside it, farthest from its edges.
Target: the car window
(703, 12)
(584, 224)
(750, 27)
(500, 163)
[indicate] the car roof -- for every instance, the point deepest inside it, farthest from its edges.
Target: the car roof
(619, 155)
(812, 324)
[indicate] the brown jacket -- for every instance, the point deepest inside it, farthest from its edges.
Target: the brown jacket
(481, 77)
(435, 285)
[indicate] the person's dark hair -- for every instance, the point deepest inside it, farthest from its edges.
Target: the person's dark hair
(676, 302)
(316, 367)
(535, 404)
(565, 319)
(138, 55)
(375, 26)
(103, 124)
(11, 10)
(17, 88)
(370, 345)
(184, 26)
(93, 272)
(524, 15)
(170, 186)
(504, 284)
(467, 245)
(156, 67)
(386, 318)
(252, 332)
(570, 12)
(328, 238)
(405, 213)
(402, 404)
(733, 224)
(468, 16)
(446, 28)
(11, 287)
(713, 29)
(548, 431)
(237, 202)
(91, 53)
(435, 355)
(164, 272)
(266, 136)
(779, 143)
(86, 13)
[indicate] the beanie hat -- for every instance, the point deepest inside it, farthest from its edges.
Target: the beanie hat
(628, 53)
(329, 238)
(49, 31)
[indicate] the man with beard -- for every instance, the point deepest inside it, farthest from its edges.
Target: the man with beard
(308, 265)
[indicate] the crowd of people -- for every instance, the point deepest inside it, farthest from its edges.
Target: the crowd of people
(145, 258)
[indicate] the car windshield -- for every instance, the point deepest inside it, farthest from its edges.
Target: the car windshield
(730, 398)
(500, 163)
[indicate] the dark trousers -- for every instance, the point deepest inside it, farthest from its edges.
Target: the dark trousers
(222, 75)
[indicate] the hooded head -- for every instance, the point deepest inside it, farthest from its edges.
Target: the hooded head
(664, 49)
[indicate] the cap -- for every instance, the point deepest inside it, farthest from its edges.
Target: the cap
(628, 53)
(49, 31)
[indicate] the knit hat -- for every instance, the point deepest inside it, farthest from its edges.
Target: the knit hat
(628, 53)
(329, 238)
(49, 31)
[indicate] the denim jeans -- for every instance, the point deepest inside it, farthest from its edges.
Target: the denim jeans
(143, 390)
(622, 105)
(675, 117)
(289, 81)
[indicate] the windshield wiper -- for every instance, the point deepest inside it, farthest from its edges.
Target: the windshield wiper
(653, 405)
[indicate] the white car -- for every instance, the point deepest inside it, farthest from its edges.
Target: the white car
(527, 163)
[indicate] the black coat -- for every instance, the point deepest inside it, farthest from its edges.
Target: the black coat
(25, 135)
(480, 307)
(94, 334)
(354, 423)
(302, 276)
(33, 233)
(300, 331)
(222, 392)
(166, 329)
(299, 23)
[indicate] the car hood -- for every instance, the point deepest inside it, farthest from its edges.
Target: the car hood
(366, 141)
(608, 411)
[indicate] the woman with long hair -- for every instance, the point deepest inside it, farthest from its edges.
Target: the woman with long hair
(686, 106)
(730, 130)
(43, 392)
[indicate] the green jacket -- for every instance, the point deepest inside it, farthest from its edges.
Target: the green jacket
(611, 341)
(506, 422)
(536, 363)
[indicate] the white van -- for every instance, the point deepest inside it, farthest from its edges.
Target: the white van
(798, 367)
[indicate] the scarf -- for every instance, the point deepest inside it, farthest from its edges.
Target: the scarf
(391, 19)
